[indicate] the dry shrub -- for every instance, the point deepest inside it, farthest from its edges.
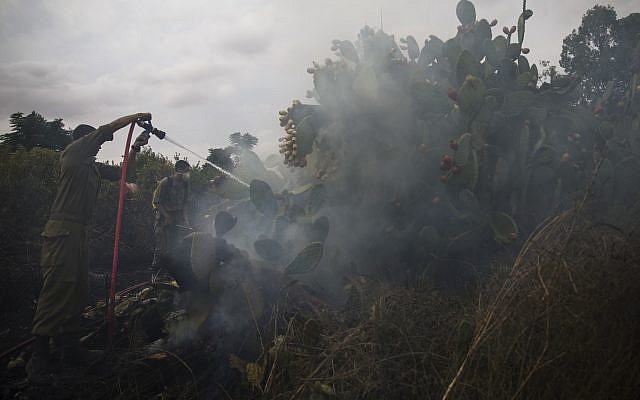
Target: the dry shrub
(391, 343)
(561, 322)
(565, 321)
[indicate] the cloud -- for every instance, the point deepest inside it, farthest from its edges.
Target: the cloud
(30, 74)
(203, 66)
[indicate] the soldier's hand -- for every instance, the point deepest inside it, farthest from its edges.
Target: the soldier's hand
(143, 116)
(131, 187)
(140, 141)
(129, 119)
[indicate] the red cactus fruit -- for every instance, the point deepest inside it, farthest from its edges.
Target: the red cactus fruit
(453, 94)
(446, 163)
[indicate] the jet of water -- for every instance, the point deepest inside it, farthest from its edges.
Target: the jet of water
(229, 174)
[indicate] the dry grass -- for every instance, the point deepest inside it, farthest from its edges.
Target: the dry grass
(562, 321)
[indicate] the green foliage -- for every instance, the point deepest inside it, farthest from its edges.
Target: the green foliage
(306, 260)
(23, 214)
(262, 198)
(269, 249)
(27, 188)
(224, 222)
(246, 141)
(34, 130)
(510, 151)
(221, 158)
(603, 49)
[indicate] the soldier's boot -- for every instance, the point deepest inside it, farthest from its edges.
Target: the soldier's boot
(75, 353)
(38, 368)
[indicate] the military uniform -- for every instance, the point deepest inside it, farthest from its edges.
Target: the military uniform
(172, 194)
(64, 259)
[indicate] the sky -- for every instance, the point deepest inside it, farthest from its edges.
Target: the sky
(206, 69)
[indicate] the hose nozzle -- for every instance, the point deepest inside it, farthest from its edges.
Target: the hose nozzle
(146, 125)
(160, 134)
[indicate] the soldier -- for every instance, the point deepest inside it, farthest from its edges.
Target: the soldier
(64, 260)
(170, 206)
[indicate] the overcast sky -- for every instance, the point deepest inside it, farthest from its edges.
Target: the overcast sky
(206, 69)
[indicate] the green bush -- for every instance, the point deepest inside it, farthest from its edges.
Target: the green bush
(27, 188)
(28, 185)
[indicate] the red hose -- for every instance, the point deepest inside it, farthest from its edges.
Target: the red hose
(116, 242)
(120, 293)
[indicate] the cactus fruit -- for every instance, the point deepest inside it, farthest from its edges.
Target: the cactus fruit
(493, 23)
(453, 94)
(446, 163)
(525, 50)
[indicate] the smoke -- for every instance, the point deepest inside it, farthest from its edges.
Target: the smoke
(434, 162)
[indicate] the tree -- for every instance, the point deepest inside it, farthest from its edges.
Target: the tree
(601, 51)
(246, 141)
(33, 130)
(221, 158)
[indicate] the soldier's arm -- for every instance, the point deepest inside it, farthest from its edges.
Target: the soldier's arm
(158, 198)
(89, 145)
(132, 167)
(185, 209)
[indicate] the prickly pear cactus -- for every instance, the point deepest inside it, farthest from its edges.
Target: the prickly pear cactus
(403, 136)
(306, 260)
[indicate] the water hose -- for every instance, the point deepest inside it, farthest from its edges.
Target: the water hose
(123, 292)
(116, 241)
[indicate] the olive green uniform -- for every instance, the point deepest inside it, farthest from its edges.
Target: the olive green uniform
(64, 258)
(173, 194)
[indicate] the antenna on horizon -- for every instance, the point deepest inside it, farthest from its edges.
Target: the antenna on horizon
(381, 26)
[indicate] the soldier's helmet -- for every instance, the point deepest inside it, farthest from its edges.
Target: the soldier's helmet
(182, 166)
(82, 130)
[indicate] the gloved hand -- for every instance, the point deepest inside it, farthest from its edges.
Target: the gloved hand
(140, 141)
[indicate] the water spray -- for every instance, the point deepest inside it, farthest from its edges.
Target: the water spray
(148, 128)
(163, 136)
